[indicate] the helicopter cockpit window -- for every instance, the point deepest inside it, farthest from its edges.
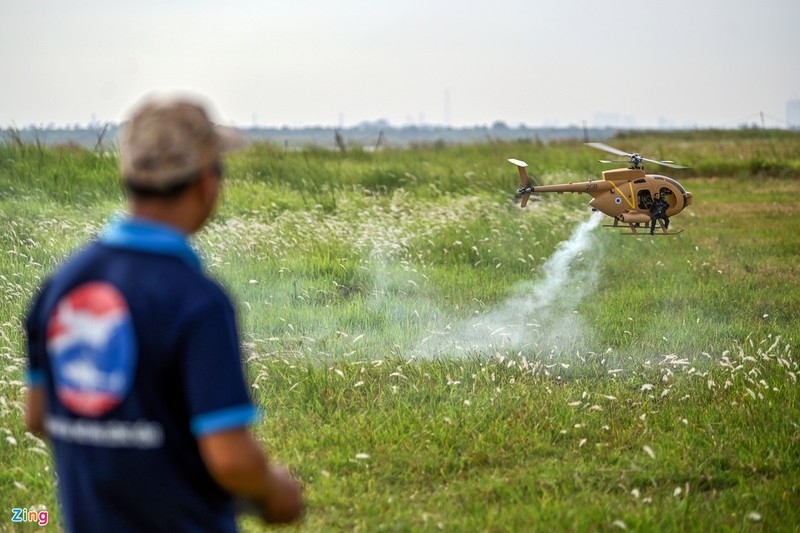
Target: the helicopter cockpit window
(667, 195)
(640, 181)
(644, 199)
(676, 184)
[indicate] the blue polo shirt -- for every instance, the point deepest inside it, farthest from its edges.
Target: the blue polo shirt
(139, 355)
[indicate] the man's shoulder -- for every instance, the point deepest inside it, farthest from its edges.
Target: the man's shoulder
(72, 267)
(137, 275)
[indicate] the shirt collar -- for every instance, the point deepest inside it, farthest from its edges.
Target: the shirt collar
(142, 235)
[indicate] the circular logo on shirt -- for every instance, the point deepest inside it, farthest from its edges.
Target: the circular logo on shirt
(92, 349)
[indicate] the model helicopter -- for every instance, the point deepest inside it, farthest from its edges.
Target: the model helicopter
(625, 194)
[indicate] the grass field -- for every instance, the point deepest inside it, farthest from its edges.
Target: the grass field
(429, 357)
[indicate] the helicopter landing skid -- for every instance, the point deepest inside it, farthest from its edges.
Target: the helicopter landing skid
(648, 234)
(634, 226)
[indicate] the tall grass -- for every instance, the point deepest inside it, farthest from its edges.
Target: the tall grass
(667, 400)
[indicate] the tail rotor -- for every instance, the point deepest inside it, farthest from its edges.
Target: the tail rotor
(525, 181)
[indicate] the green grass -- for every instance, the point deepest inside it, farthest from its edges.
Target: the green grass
(656, 391)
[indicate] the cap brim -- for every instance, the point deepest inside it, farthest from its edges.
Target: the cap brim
(230, 139)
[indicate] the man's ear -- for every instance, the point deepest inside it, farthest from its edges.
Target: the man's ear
(208, 185)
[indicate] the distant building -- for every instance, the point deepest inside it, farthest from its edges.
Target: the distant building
(614, 120)
(793, 114)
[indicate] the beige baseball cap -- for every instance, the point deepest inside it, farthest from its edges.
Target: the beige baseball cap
(167, 141)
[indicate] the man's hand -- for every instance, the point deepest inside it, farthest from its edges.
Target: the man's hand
(237, 462)
(284, 504)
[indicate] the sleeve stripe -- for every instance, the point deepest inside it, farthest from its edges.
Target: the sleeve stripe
(232, 417)
(36, 378)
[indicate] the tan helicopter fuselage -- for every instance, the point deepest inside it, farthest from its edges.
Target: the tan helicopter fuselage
(627, 194)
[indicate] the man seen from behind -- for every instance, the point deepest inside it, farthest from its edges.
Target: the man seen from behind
(134, 359)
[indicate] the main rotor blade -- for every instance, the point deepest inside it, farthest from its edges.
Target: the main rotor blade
(607, 148)
(669, 164)
(611, 149)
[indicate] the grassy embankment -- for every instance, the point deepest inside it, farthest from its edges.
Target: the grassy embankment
(654, 387)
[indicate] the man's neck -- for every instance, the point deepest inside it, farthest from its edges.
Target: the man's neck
(165, 212)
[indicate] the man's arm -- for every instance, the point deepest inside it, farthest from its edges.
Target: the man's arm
(35, 408)
(237, 462)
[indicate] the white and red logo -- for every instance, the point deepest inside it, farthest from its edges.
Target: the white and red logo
(92, 349)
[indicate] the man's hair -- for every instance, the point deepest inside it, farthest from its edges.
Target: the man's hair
(170, 191)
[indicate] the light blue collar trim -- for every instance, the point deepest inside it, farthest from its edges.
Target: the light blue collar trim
(148, 236)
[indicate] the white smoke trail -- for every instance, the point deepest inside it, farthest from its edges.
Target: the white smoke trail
(541, 316)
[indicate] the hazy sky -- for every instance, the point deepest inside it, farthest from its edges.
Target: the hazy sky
(462, 63)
